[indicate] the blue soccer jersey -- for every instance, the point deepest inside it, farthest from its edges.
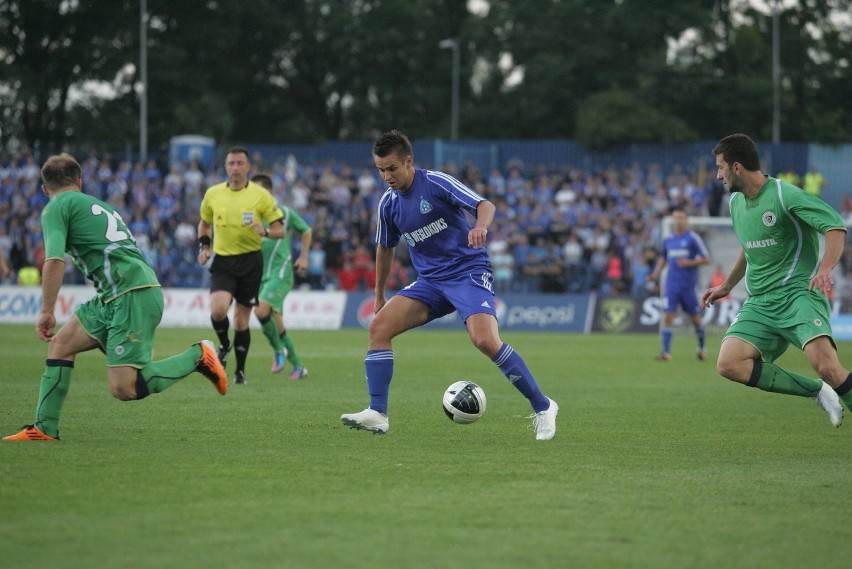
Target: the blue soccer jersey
(430, 216)
(685, 246)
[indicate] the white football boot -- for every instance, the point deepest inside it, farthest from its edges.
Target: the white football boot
(544, 422)
(829, 402)
(367, 420)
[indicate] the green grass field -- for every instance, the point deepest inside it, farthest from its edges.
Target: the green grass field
(654, 464)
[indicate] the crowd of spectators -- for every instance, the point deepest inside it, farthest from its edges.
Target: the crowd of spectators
(555, 230)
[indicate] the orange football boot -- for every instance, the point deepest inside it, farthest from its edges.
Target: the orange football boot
(209, 366)
(30, 433)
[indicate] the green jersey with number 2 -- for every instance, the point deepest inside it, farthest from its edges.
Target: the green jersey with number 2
(95, 236)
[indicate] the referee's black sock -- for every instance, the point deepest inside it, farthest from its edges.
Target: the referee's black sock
(242, 340)
(222, 327)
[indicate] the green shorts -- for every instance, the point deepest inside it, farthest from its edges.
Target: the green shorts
(772, 321)
(274, 289)
(126, 326)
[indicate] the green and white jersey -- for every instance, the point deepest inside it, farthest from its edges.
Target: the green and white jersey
(779, 233)
(94, 234)
(277, 252)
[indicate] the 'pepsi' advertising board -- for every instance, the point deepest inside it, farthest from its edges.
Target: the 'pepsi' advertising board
(529, 312)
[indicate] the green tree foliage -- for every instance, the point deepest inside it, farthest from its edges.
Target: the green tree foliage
(726, 72)
(46, 48)
(602, 72)
(617, 116)
(597, 57)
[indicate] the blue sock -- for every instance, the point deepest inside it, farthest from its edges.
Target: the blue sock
(379, 366)
(699, 331)
(515, 369)
(667, 340)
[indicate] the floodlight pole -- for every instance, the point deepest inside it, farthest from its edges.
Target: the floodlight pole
(143, 80)
(453, 44)
(776, 73)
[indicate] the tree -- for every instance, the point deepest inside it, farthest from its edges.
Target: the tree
(728, 76)
(602, 72)
(48, 47)
(576, 55)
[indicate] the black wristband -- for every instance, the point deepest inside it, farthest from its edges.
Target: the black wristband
(204, 241)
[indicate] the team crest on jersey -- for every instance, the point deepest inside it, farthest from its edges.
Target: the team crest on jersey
(425, 207)
(769, 218)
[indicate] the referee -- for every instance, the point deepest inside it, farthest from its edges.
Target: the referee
(232, 216)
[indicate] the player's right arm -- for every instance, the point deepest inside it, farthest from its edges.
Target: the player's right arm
(205, 235)
(51, 280)
(735, 275)
(384, 261)
(661, 264)
(205, 228)
(4, 267)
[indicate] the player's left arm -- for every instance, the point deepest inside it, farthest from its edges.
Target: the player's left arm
(301, 263)
(683, 262)
(825, 219)
(823, 279)
(700, 254)
(477, 236)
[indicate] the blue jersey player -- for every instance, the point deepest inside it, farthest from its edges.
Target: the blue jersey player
(428, 209)
(683, 252)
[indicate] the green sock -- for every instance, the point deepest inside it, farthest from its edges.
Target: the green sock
(51, 395)
(776, 380)
(162, 374)
(292, 354)
(270, 330)
(847, 400)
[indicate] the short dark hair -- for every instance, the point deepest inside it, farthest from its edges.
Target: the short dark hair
(393, 141)
(739, 148)
(238, 150)
(60, 171)
(264, 180)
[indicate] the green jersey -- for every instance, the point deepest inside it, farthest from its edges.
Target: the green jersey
(95, 236)
(276, 252)
(778, 231)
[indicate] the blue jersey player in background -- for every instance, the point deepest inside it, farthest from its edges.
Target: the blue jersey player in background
(427, 209)
(683, 252)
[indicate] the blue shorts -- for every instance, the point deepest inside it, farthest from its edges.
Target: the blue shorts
(683, 297)
(470, 293)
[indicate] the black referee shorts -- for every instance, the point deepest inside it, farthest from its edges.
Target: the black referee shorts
(240, 275)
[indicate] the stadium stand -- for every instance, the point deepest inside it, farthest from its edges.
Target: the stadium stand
(558, 228)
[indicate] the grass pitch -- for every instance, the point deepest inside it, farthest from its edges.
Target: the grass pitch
(655, 464)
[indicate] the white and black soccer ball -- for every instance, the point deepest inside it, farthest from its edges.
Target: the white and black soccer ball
(464, 402)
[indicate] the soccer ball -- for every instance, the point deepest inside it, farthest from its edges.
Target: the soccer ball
(464, 402)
